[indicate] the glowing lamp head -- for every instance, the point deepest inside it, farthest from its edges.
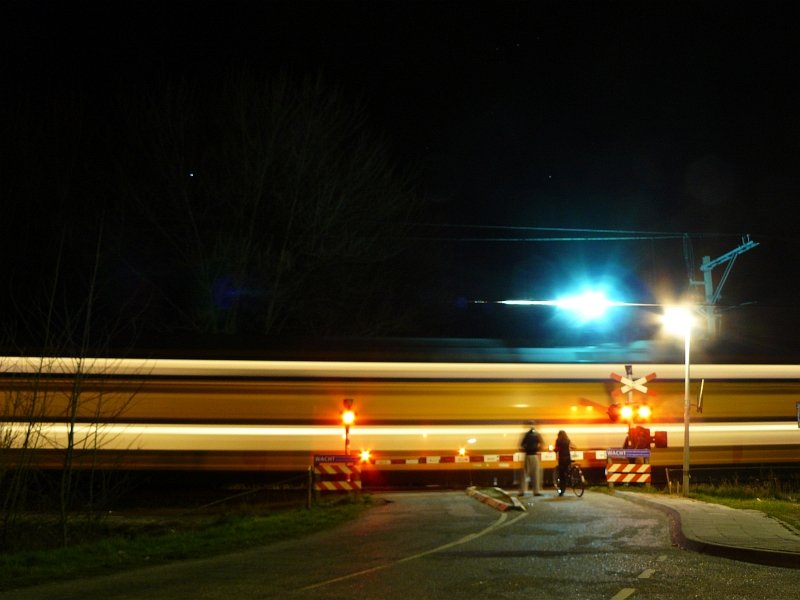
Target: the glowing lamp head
(626, 412)
(588, 306)
(365, 456)
(643, 412)
(678, 320)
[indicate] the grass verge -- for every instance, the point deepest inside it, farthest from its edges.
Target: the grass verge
(228, 532)
(784, 510)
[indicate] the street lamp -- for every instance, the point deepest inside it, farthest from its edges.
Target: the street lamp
(678, 320)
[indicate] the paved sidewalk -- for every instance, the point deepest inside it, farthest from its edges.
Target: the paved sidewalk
(748, 535)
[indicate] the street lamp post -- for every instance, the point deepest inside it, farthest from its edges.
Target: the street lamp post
(686, 412)
(679, 320)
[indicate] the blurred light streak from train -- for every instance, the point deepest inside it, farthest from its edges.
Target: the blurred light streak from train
(388, 370)
(414, 439)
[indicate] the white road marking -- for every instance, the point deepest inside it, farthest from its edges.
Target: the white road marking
(623, 593)
(646, 574)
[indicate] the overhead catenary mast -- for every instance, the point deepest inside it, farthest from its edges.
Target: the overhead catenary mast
(712, 295)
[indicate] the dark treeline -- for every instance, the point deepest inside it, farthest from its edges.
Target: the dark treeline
(167, 211)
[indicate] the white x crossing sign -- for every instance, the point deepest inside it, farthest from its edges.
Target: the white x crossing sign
(629, 384)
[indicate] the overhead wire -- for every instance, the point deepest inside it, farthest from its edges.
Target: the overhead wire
(593, 234)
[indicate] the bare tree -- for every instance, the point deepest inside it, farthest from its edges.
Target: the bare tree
(58, 299)
(46, 415)
(57, 414)
(24, 405)
(280, 210)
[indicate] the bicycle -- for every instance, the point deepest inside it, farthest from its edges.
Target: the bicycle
(575, 480)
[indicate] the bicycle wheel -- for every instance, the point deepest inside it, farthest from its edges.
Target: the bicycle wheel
(576, 480)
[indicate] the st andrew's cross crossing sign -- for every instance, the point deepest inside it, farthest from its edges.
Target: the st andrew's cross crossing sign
(629, 384)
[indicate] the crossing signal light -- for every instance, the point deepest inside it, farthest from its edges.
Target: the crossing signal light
(348, 416)
(629, 412)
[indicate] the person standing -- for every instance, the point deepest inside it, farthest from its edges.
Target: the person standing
(531, 444)
(563, 448)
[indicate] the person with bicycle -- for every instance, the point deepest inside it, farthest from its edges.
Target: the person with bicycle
(563, 447)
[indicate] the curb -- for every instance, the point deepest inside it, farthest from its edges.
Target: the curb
(501, 505)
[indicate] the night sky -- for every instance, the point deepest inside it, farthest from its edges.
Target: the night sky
(614, 127)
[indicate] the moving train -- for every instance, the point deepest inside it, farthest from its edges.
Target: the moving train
(277, 415)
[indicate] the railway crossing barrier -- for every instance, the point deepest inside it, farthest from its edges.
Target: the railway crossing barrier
(502, 460)
(336, 473)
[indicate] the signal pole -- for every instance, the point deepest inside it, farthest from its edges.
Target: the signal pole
(348, 418)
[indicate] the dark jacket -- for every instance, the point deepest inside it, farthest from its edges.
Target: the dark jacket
(531, 442)
(563, 452)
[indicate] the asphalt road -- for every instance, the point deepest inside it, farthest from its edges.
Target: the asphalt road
(448, 545)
